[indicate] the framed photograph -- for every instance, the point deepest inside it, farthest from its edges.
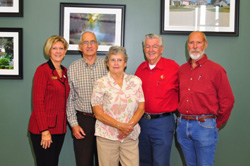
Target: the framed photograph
(11, 8)
(11, 53)
(106, 21)
(213, 17)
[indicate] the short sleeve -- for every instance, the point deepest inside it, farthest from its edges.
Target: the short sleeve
(140, 95)
(98, 93)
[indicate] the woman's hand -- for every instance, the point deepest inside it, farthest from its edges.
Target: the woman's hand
(124, 129)
(46, 139)
(121, 135)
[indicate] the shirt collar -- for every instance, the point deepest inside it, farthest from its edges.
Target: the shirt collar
(201, 61)
(93, 65)
(112, 79)
(52, 67)
(159, 65)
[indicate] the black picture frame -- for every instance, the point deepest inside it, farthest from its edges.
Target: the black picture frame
(11, 48)
(179, 17)
(107, 21)
(15, 9)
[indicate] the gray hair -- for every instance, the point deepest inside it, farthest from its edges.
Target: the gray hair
(115, 50)
(84, 33)
(153, 36)
(204, 35)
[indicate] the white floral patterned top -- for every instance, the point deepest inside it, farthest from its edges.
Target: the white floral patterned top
(119, 103)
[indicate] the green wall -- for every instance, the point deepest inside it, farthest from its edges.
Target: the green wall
(41, 20)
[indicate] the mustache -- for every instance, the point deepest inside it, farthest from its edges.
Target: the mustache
(195, 50)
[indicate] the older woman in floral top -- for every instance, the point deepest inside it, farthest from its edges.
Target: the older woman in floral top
(118, 104)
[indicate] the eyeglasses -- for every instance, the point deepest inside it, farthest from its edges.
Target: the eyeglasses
(153, 46)
(89, 42)
(115, 60)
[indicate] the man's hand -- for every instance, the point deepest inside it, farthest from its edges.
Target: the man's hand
(78, 132)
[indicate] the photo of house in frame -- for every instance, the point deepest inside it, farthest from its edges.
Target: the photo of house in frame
(214, 17)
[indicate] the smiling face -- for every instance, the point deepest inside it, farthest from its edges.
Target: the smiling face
(88, 45)
(197, 45)
(116, 64)
(57, 52)
(153, 50)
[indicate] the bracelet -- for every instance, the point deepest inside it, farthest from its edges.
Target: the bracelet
(46, 134)
(118, 126)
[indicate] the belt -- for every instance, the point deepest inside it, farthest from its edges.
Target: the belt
(155, 116)
(198, 118)
(86, 114)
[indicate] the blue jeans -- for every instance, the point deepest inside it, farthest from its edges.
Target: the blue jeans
(198, 141)
(155, 141)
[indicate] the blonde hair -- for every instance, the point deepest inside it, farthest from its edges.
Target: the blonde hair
(53, 39)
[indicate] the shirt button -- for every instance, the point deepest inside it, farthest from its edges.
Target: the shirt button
(187, 100)
(191, 79)
(186, 111)
(188, 89)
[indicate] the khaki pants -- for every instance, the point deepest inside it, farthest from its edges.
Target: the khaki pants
(111, 152)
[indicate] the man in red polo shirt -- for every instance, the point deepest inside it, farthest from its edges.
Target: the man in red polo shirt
(206, 101)
(160, 87)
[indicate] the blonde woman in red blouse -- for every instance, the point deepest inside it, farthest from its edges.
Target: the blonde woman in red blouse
(47, 125)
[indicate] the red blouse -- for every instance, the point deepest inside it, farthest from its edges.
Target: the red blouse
(50, 93)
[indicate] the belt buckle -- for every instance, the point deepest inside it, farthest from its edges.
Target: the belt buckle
(147, 116)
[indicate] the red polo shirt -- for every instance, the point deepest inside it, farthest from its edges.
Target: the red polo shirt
(205, 90)
(160, 86)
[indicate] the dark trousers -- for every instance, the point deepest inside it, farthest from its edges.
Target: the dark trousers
(155, 141)
(49, 156)
(85, 148)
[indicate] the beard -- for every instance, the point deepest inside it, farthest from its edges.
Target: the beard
(195, 54)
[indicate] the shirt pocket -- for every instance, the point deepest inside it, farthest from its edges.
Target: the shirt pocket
(161, 88)
(203, 86)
